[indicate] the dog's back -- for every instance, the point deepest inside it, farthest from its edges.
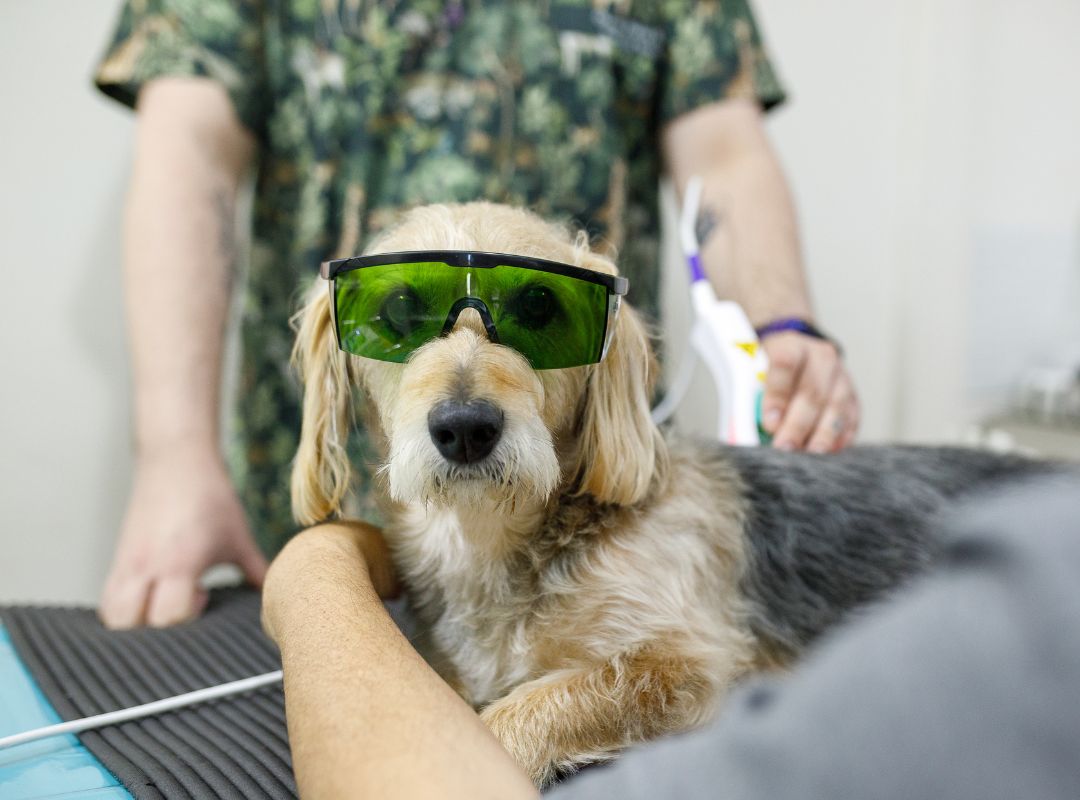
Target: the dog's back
(826, 534)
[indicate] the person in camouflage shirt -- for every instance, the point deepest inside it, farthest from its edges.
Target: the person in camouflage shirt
(358, 109)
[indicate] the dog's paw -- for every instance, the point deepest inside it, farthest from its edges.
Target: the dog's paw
(516, 729)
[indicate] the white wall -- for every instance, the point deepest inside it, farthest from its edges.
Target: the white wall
(64, 465)
(932, 147)
(1025, 193)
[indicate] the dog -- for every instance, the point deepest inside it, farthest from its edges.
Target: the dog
(586, 583)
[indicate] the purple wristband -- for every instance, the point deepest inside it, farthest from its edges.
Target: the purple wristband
(797, 325)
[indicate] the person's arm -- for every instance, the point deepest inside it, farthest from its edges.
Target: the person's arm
(750, 250)
(367, 716)
(183, 514)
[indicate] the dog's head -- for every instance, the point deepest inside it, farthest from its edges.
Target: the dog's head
(467, 421)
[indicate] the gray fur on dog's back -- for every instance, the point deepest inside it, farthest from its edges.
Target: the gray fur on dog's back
(828, 533)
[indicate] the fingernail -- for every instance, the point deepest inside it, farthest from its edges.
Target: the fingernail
(772, 416)
(784, 445)
(817, 448)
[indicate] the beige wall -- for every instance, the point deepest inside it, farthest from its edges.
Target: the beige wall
(932, 150)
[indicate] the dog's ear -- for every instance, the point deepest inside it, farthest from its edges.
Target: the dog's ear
(320, 474)
(621, 451)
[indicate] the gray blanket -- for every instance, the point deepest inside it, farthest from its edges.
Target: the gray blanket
(231, 748)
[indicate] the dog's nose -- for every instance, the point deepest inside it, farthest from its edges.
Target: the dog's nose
(465, 432)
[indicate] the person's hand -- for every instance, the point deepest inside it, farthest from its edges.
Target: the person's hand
(810, 401)
(323, 558)
(183, 516)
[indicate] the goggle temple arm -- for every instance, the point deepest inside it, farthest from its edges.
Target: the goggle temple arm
(614, 303)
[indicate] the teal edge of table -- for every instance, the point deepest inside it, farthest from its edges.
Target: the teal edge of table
(57, 767)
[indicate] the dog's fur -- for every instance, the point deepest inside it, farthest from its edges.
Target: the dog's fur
(589, 584)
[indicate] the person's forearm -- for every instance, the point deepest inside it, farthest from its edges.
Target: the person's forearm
(746, 226)
(750, 245)
(367, 716)
(191, 153)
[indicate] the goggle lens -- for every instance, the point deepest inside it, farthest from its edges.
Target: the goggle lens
(387, 311)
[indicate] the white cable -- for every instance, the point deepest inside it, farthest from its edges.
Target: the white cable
(145, 710)
(688, 242)
(688, 219)
(678, 389)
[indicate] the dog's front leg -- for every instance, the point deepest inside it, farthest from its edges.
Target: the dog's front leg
(581, 715)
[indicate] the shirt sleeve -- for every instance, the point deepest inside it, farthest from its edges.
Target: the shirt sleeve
(216, 39)
(714, 52)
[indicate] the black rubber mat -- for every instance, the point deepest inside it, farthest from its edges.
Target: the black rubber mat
(231, 748)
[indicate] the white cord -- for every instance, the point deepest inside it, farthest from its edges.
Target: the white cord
(678, 389)
(688, 218)
(676, 393)
(145, 710)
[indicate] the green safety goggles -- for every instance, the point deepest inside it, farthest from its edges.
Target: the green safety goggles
(385, 306)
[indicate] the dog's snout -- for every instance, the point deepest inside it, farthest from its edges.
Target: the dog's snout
(465, 432)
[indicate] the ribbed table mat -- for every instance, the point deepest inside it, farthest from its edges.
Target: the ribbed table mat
(231, 748)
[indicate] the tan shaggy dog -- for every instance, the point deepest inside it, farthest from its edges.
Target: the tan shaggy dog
(589, 585)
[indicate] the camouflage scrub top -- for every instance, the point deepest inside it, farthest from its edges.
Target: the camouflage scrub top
(363, 108)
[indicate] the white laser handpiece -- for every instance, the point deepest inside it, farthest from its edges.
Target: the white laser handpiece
(723, 338)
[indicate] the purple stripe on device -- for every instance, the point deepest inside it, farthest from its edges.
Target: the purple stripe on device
(696, 272)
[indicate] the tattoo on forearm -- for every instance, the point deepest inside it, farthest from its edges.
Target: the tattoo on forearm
(708, 221)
